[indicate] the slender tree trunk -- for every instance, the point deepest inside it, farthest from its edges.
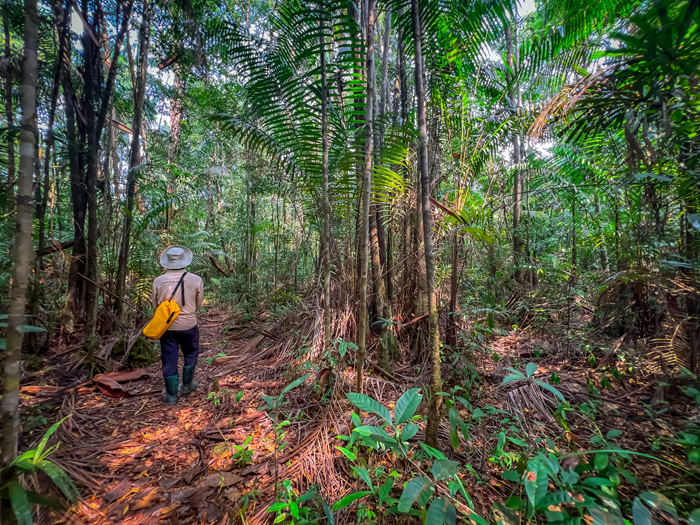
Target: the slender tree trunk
(454, 291)
(603, 250)
(387, 345)
(326, 200)
(48, 145)
(366, 192)
(435, 375)
(403, 95)
(22, 257)
(574, 246)
(421, 298)
(79, 205)
(114, 150)
(514, 94)
(135, 159)
(91, 290)
(248, 249)
(175, 119)
(8, 103)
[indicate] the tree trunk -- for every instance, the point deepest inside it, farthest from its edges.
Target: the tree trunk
(23, 252)
(8, 104)
(431, 429)
(135, 159)
(93, 145)
(326, 200)
(603, 250)
(175, 119)
(514, 95)
(366, 192)
(61, 24)
(454, 287)
(79, 205)
(421, 298)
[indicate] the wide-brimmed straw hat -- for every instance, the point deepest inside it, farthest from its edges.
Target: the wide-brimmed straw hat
(176, 257)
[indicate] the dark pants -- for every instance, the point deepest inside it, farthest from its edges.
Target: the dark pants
(187, 340)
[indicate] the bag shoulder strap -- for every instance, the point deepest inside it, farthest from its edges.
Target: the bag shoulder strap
(179, 284)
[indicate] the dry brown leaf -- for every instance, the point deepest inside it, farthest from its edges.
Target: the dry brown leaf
(150, 497)
(118, 492)
(221, 479)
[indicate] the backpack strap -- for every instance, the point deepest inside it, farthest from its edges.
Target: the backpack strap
(178, 285)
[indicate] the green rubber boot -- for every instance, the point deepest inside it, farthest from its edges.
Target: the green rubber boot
(188, 385)
(170, 391)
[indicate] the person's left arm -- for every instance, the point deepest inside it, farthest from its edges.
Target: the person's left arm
(200, 293)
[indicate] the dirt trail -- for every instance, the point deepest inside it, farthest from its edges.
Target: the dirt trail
(162, 464)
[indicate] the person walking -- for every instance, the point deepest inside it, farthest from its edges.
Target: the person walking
(187, 290)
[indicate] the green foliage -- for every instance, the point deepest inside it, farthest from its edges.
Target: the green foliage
(309, 508)
(30, 462)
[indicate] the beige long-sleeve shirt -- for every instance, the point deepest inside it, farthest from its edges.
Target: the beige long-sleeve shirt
(163, 288)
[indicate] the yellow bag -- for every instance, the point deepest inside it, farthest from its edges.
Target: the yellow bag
(165, 314)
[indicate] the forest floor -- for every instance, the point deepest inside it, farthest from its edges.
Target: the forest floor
(156, 463)
(211, 457)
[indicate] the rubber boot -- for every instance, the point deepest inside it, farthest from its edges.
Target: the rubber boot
(170, 391)
(188, 385)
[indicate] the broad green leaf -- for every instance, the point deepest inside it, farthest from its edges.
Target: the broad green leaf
(277, 506)
(603, 517)
(660, 503)
(328, 512)
(376, 433)
(530, 369)
(20, 503)
(294, 509)
(530, 481)
(414, 488)
(350, 498)
(407, 405)
(409, 430)
(556, 498)
(432, 452)
(600, 461)
(38, 499)
(612, 434)
(436, 512)
(549, 387)
(294, 384)
(597, 482)
(385, 489)
(695, 517)
(504, 515)
(60, 478)
(364, 475)
(444, 469)
(368, 404)
(512, 475)
(347, 453)
(641, 513)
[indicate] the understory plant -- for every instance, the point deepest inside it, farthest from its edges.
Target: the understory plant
(435, 505)
(550, 486)
(13, 492)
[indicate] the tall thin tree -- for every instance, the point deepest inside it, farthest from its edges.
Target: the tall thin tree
(22, 257)
(135, 158)
(435, 375)
(326, 200)
(366, 192)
